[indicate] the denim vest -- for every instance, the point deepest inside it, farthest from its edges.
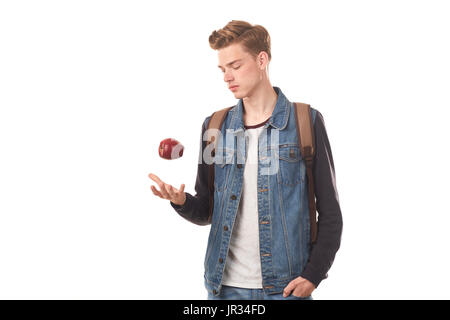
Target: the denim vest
(283, 210)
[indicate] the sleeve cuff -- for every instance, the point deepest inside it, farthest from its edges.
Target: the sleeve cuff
(313, 277)
(183, 208)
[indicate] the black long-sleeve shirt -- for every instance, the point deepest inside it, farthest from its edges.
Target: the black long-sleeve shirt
(323, 251)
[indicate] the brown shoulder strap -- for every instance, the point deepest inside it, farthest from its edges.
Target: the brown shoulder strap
(307, 146)
(215, 122)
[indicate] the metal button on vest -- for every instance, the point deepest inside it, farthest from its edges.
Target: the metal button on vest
(220, 260)
(292, 153)
(233, 197)
(225, 228)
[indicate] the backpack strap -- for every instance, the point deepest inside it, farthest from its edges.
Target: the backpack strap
(215, 122)
(307, 146)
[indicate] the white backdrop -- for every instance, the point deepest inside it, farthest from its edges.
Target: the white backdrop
(88, 89)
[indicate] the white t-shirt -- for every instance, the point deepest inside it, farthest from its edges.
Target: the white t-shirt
(243, 264)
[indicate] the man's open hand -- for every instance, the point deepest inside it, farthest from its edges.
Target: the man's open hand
(300, 287)
(177, 196)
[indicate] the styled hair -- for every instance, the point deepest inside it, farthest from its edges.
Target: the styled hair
(253, 38)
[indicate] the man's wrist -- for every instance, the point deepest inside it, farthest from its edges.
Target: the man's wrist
(180, 204)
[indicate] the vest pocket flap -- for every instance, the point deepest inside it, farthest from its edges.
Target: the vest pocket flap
(289, 152)
(292, 166)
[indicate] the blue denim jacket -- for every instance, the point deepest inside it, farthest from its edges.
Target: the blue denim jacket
(283, 208)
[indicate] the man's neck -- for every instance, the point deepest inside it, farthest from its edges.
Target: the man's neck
(259, 106)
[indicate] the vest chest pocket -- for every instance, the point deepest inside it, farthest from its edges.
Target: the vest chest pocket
(224, 161)
(291, 165)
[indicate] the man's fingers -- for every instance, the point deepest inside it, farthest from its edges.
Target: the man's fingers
(167, 191)
(161, 185)
(288, 289)
(156, 192)
(178, 191)
(152, 176)
(164, 191)
(171, 191)
(158, 181)
(155, 178)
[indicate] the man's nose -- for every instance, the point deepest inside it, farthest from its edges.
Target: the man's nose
(227, 77)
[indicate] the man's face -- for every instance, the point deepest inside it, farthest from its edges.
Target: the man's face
(239, 69)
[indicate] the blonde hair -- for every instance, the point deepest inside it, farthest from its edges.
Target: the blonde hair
(253, 38)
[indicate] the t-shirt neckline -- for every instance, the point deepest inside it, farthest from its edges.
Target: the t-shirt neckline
(256, 125)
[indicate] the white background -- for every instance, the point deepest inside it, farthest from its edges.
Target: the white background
(88, 89)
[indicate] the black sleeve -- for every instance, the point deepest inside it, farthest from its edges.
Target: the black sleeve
(327, 204)
(196, 208)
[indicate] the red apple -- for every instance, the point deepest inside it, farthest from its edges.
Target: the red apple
(170, 149)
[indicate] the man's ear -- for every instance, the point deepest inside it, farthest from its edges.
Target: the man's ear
(261, 59)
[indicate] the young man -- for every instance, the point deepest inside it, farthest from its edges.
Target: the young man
(259, 243)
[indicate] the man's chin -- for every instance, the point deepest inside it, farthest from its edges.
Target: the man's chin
(238, 95)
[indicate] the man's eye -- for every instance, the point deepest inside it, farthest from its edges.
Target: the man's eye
(223, 71)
